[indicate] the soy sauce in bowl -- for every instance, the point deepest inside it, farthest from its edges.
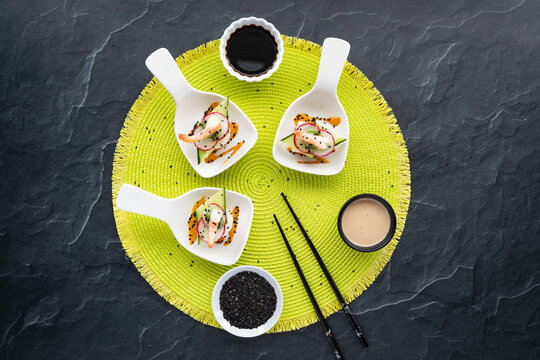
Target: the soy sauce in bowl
(251, 50)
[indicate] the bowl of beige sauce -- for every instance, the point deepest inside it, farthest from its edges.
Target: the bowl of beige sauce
(367, 222)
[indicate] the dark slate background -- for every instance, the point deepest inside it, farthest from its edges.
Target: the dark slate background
(463, 79)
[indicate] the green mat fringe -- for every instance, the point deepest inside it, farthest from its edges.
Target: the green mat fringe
(130, 246)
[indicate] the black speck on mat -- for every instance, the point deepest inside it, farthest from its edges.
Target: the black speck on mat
(247, 300)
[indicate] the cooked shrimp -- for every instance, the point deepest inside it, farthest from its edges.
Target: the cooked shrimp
(215, 218)
(320, 142)
(212, 127)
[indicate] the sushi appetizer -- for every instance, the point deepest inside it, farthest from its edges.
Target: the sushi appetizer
(313, 138)
(211, 222)
(212, 135)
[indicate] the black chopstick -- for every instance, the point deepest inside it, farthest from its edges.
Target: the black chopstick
(327, 330)
(357, 330)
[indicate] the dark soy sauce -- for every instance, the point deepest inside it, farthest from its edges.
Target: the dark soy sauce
(251, 50)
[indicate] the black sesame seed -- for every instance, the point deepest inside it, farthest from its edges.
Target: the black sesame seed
(247, 300)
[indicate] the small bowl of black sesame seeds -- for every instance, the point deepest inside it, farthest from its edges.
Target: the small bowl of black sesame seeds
(247, 301)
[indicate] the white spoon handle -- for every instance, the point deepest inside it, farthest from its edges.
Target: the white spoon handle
(133, 199)
(333, 57)
(164, 67)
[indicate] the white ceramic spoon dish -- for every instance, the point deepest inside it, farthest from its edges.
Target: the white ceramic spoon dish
(218, 313)
(321, 101)
(176, 212)
(190, 107)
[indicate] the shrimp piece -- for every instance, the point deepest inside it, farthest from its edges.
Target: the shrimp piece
(212, 127)
(320, 142)
(215, 218)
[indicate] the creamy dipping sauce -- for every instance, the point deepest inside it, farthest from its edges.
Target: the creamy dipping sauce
(365, 222)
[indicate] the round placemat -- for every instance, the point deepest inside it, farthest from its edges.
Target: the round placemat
(148, 156)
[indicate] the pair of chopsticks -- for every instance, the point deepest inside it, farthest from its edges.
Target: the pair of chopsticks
(326, 327)
(354, 324)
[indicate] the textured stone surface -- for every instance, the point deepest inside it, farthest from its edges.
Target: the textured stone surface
(464, 80)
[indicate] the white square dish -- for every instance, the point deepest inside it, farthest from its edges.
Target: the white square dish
(191, 105)
(176, 212)
(321, 101)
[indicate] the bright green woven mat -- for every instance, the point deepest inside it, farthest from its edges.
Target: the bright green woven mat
(148, 155)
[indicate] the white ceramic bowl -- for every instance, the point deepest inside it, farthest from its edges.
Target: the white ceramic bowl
(245, 22)
(246, 333)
